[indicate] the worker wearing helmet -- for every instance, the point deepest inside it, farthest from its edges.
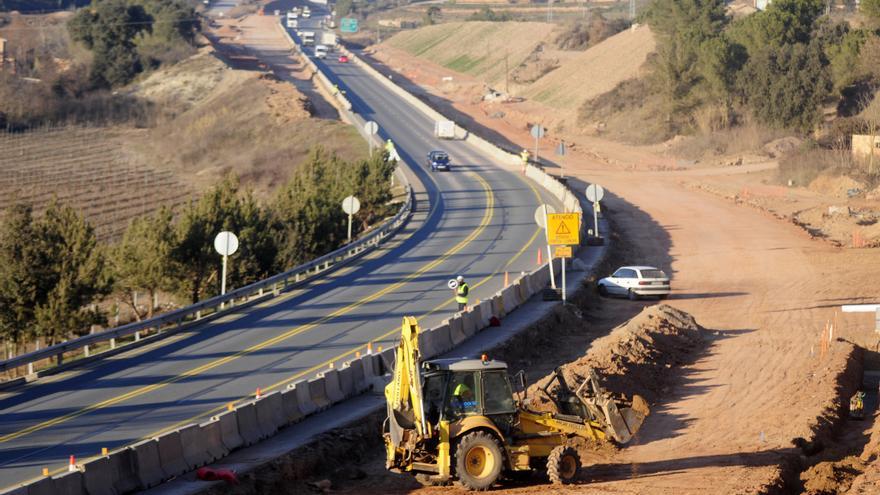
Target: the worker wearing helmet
(461, 293)
(463, 395)
(524, 156)
(391, 151)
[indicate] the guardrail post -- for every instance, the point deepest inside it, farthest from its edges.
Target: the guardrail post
(86, 350)
(59, 358)
(30, 368)
(261, 292)
(112, 344)
(198, 315)
(137, 336)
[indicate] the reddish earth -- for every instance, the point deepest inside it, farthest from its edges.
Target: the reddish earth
(765, 284)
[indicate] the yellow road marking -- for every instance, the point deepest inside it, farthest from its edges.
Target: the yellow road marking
(487, 216)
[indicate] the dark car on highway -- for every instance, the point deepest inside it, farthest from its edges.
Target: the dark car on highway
(438, 160)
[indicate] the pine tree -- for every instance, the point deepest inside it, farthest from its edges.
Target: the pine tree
(142, 260)
(21, 287)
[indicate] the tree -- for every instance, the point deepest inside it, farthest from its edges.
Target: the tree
(784, 85)
(142, 260)
(22, 286)
(74, 272)
(217, 210)
(431, 14)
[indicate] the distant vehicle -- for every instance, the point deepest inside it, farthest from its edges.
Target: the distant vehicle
(292, 23)
(328, 39)
(636, 281)
(444, 129)
(438, 160)
(292, 15)
(343, 59)
(306, 13)
(308, 38)
(320, 51)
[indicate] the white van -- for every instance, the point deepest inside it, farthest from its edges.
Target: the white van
(321, 51)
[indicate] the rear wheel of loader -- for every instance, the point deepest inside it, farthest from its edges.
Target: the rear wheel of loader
(563, 465)
(478, 460)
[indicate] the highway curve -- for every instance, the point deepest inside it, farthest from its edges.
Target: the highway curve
(475, 220)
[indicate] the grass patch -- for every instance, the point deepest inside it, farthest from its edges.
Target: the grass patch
(631, 112)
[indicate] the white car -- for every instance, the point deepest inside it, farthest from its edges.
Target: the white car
(635, 281)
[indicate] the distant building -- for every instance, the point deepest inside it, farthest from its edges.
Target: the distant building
(866, 147)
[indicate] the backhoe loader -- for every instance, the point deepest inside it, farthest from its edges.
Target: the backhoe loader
(459, 419)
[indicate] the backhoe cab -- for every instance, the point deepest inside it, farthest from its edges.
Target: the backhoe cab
(460, 419)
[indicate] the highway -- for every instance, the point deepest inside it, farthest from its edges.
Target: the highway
(476, 220)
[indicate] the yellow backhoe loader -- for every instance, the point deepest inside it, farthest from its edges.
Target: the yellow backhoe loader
(460, 420)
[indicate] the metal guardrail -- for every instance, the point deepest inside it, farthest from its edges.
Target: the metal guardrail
(195, 311)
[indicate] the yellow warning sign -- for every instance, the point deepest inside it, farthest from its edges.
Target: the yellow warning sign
(563, 228)
(562, 252)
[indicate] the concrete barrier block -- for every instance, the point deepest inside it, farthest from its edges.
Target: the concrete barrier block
(98, 477)
(213, 440)
(387, 360)
(171, 454)
(443, 337)
(456, 329)
(42, 486)
(371, 367)
(522, 290)
(357, 371)
(195, 446)
(498, 305)
(332, 386)
(510, 300)
(125, 479)
(248, 425)
(229, 430)
(290, 405)
(469, 321)
(486, 313)
(346, 381)
(318, 393)
(270, 415)
(70, 483)
(428, 343)
(145, 462)
(304, 398)
(19, 490)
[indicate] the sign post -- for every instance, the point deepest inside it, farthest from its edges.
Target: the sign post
(594, 194)
(350, 205)
(564, 229)
(371, 128)
(226, 244)
(560, 151)
(537, 133)
(541, 214)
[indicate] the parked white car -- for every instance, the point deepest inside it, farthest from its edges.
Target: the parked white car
(635, 281)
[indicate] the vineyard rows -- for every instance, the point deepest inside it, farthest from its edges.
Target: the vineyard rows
(87, 170)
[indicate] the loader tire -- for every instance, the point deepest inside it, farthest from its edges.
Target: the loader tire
(563, 465)
(478, 460)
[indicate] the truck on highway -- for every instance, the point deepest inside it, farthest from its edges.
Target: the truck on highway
(308, 38)
(307, 12)
(444, 129)
(328, 39)
(320, 51)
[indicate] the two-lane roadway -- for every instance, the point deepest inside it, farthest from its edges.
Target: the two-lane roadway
(475, 220)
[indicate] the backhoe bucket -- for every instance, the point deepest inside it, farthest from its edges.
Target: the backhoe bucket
(625, 422)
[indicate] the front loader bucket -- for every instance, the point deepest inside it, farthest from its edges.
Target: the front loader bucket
(626, 421)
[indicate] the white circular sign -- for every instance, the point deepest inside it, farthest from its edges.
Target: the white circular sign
(351, 205)
(226, 243)
(537, 131)
(539, 214)
(371, 128)
(452, 284)
(595, 193)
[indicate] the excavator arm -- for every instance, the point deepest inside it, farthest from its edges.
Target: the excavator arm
(406, 424)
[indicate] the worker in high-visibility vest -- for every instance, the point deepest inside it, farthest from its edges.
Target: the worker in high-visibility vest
(524, 156)
(391, 151)
(461, 293)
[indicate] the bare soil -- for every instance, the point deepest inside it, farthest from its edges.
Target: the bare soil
(768, 285)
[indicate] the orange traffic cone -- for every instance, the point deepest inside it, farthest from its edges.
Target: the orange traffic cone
(259, 393)
(72, 465)
(369, 347)
(506, 279)
(540, 261)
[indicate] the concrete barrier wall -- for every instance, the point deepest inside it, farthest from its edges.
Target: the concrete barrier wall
(248, 426)
(213, 439)
(304, 398)
(229, 430)
(195, 446)
(456, 330)
(171, 454)
(469, 321)
(290, 405)
(145, 461)
(346, 381)
(332, 387)
(70, 483)
(269, 414)
(318, 393)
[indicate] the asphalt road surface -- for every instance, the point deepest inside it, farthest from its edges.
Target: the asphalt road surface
(476, 220)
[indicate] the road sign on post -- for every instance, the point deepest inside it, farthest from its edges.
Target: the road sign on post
(350, 205)
(594, 194)
(348, 25)
(562, 252)
(560, 152)
(371, 128)
(563, 228)
(541, 219)
(226, 244)
(537, 133)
